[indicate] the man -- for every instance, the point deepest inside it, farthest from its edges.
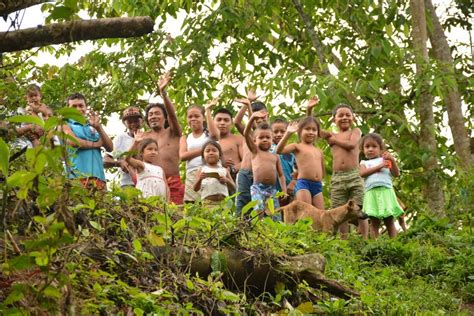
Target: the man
(86, 159)
(165, 129)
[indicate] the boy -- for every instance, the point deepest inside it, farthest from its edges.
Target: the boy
(265, 165)
(231, 144)
(346, 182)
(244, 176)
(288, 162)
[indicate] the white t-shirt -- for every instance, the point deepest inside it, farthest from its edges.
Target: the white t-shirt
(212, 186)
(382, 178)
(194, 143)
(122, 143)
(151, 181)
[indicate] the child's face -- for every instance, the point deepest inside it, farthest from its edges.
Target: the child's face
(195, 119)
(47, 114)
(211, 154)
(263, 139)
(223, 122)
(150, 153)
(133, 123)
(278, 130)
(33, 99)
(78, 104)
(371, 149)
(309, 133)
(344, 118)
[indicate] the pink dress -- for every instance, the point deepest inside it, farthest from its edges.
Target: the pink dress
(151, 181)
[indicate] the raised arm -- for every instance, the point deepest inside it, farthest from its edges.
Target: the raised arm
(251, 96)
(247, 134)
(281, 148)
(94, 121)
(349, 144)
(213, 131)
(173, 122)
(311, 104)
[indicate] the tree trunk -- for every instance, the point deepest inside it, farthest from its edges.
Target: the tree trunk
(432, 190)
(10, 6)
(452, 98)
(72, 31)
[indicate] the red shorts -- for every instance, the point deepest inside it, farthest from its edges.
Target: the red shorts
(176, 189)
(93, 183)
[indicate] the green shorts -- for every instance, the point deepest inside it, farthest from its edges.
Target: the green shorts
(346, 185)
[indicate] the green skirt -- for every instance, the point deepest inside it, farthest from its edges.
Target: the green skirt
(381, 202)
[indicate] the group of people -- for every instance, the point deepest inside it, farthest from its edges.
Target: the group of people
(258, 165)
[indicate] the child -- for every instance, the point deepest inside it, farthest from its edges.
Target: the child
(151, 179)
(265, 165)
(380, 201)
(346, 182)
(190, 147)
(132, 118)
(213, 181)
(310, 161)
(279, 126)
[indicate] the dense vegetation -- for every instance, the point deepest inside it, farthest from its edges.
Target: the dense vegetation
(67, 251)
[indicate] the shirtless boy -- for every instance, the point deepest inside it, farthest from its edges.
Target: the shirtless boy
(244, 176)
(165, 129)
(231, 144)
(265, 165)
(346, 182)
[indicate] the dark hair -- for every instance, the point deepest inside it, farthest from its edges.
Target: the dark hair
(213, 143)
(223, 111)
(340, 106)
(279, 120)
(263, 126)
(33, 88)
(146, 142)
(308, 120)
(258, 106)
(156, 105)
(76, 96)
(376, 137)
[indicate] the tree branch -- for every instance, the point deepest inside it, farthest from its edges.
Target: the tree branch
(72, 31)
(10, 6)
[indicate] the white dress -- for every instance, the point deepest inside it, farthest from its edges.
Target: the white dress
(212, 186)
(151, 181)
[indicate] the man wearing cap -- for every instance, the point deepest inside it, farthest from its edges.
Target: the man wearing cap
(165, 129)
(132, 118)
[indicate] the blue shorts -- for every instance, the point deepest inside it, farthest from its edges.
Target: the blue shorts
(314, 187)
(262, 193)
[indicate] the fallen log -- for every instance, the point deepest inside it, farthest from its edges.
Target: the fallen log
(77, 30)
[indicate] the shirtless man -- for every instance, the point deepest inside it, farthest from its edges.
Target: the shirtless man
(165, 129)
(231, 144)
(244, 176)
(346, 182)
(265, 165)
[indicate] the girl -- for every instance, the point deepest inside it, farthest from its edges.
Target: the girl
(151, 179)
(190, 147)
(309, 159)
(213, 180)
(380, 202)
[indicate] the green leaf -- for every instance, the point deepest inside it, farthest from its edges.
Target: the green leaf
(306, 308)
(248, 207)
(189, 284)
(20, 178)
(271, 206)
(51, 291)
(60, 13)
(123, 224)
(137, 245)
(155, 240)
(51, 123)
(13, 297)
(4, 157)
(72, 114)
(218, 262)
(26, 119)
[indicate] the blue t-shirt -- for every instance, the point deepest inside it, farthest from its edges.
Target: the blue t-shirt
(382, 178)
(287, 164)
(85, 162)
